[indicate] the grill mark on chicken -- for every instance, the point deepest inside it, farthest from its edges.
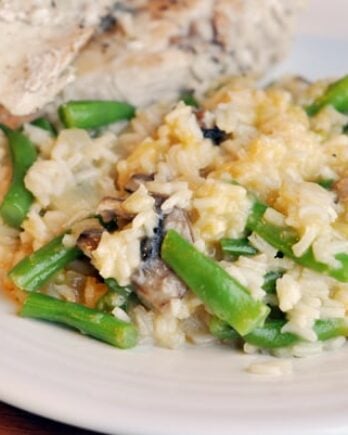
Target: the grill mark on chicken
(107, 23)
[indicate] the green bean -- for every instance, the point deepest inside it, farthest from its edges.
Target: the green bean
(331, 328)
(116, 296)
(189, 99)
(270, 280)
(101, 326)
(335, 95)
(269, 336)
(222, 330)
(223, 295)
(45, 124)
(113, 285)
(237, 247)
(18, 199)
(326, 183)
(283, 238)
(94, 114)
(34, 271)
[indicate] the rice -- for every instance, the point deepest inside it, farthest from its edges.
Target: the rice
(249, 272)
(271, 368)
(166, 168)
(222, 209)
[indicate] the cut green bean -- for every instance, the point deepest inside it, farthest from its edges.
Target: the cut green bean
(223, 295)
(189, 99)
(101, 326)
(336, 95)
(270, 280)
(34, 271)
(284, 238)
(222, 330)
(94, 114)
(326, 183)
(116, 296)
(269, 336)
(331, 328)
(113, 285)
(18, 199)
(237, 247)
(45, 124)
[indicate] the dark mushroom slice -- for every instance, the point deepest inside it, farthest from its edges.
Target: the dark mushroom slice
(150, 247)
(215, 134)
(136, 181)
(178, 219)
(89, 236)
(212, 132)
(112, 214)
(155, 284)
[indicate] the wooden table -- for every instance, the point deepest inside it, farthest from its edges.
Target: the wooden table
(16, 422)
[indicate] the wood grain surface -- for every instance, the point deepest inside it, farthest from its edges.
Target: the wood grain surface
(16, 422)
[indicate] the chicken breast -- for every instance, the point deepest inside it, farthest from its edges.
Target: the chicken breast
(154, 50)
(141, 50)
(39, 40)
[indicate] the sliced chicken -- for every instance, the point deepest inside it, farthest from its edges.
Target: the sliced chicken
(141, 51)
(155, 49)
(14, 121)
(39, 40)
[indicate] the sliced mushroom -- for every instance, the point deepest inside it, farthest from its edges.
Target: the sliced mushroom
(88, 233)
(136, 181)
(341, 188)
(150, 246)
(111, 211)
(178, 220)
(110, 208)
(89, 240)
(155, 284)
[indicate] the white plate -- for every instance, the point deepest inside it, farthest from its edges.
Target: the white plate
(204, 390)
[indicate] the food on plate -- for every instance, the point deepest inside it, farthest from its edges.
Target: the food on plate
(94, 114)
(138, 51)
(103, 326)
(222, 218)
(39, 40)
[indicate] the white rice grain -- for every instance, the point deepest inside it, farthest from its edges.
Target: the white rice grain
(280, 367)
